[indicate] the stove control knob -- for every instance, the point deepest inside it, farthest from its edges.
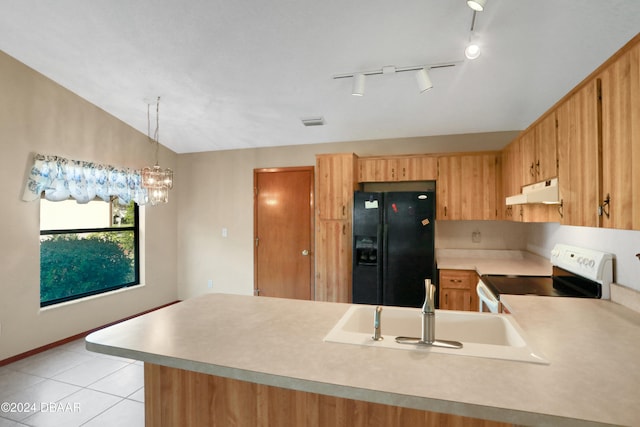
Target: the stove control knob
(592, 263)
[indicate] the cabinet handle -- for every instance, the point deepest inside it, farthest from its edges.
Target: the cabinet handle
(344, 210)
(561, 208)
(446, 299)
(604, 208)
(538, 167)
(404, 172)
(531, 172)
(445, 211)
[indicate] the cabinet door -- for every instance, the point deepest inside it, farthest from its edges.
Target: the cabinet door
(467, 187)
(621, 141)
(335, 186)
(458, 290)
(377, 169)
(418, 168)
(529, 157)
(389, 169)
(511, 178)
(546, 165)
(578, 155)
(538, 148)
(333, 261)
(456, 299)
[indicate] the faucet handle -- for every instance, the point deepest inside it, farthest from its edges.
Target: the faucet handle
(429, 298)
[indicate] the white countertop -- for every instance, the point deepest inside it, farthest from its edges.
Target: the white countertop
(521, 263)
(592, 346)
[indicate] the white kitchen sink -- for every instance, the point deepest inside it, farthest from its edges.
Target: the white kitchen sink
(488, 335)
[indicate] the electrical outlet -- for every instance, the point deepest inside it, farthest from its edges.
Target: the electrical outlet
(476, 237)
(210, 283)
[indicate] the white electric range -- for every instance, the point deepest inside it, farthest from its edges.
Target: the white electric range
(577, 272)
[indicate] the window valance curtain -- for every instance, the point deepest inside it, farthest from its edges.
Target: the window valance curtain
(61, 178)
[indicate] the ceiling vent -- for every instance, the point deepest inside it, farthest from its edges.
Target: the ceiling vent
(313, 121)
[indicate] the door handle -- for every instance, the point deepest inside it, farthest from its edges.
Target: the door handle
(305, 252)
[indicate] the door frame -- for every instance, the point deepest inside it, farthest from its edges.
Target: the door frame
(312, 236)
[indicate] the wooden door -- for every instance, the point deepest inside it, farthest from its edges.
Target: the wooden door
(283, 232)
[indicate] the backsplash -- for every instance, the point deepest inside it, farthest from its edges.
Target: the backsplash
(480, 235)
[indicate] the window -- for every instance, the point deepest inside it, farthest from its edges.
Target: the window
(87, 249)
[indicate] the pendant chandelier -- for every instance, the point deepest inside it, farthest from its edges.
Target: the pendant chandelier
(156, 180)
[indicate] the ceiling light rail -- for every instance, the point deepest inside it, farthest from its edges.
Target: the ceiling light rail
(421, 73)
(391, 69)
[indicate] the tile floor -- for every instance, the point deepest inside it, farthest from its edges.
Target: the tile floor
(70, 386)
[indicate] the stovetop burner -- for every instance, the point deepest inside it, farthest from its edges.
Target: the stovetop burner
(561, 284)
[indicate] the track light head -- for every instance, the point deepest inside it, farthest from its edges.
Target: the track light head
(472, 51)
(358, 84)
(423, 79)
(477, 5)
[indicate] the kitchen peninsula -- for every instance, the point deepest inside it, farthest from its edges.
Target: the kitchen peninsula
(244, 343)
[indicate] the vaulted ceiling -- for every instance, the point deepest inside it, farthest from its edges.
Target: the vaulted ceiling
(240, 74)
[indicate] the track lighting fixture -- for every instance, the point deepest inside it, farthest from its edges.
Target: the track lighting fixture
(422, 75)
(358, 84)
(477, 5)
(424, 82)
(472, 51)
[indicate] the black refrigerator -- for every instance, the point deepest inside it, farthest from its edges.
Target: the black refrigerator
(393, 247)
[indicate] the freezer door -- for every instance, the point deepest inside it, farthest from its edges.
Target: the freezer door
(367, 238)
(408, 241)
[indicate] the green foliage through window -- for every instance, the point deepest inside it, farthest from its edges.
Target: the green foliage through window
(78, 263)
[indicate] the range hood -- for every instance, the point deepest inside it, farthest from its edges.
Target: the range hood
(541, 192)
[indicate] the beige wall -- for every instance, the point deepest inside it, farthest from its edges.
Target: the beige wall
(216, 191)
(37, 115)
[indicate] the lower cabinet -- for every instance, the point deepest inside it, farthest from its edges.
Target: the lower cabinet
(175, 397)
(333, 261)
(458, 290)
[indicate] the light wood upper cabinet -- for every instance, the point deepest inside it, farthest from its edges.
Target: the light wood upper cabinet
(512, 178)
(336, 181)
(620, 86)
(578, 154)
(375, 169)
(546, 147)
(392, 168)
(418, 168)
(468, 186)
(538, 148)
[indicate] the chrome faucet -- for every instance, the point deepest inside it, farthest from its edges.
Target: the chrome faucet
(428, 337)
(429, 313)
(377, 325)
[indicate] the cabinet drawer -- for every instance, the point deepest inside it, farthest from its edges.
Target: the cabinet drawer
(458, 279)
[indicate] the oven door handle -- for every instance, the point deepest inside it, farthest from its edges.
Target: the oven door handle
(486, 296)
